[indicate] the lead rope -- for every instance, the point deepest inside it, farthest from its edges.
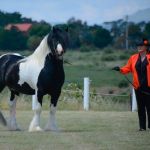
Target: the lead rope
(134, 86)
(67, 62)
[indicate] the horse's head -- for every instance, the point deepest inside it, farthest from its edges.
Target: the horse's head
(58, 41)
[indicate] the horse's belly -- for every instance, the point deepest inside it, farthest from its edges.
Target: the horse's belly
(28, 80)
(24, 89)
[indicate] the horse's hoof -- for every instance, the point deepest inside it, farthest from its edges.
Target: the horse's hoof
(39, 129)
(18, 129)
(36, 129)
(14, 129)
(12, 125)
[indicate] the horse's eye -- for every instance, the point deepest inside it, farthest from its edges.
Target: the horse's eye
(56, 43)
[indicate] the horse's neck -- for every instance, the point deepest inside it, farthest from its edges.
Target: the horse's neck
(41, 52)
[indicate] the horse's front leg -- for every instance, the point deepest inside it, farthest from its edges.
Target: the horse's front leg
(52, 125)
(12, 123)
(37, 108)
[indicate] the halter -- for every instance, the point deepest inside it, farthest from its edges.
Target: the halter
(51, 55)
(53, 48)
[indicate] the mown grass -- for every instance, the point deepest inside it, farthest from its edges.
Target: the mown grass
(79, 130)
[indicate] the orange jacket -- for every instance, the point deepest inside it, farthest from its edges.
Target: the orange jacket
(130, 67)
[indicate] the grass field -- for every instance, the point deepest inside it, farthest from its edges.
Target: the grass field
(79, 131)
(108, 129)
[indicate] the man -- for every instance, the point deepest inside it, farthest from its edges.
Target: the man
(139, 65)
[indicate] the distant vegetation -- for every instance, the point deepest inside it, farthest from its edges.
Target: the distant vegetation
(82, 36)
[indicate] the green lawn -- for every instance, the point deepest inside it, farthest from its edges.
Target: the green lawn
(99, 78)
(79, 131)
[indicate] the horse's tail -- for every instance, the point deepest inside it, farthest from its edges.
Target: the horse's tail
(2, 119)
(2, 73)
(2, 86)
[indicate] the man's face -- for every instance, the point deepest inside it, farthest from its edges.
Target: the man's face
(142, 48)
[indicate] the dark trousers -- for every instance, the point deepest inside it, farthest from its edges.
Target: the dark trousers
(143, 103)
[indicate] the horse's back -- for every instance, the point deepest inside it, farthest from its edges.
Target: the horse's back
(8, 59)
(6, 63)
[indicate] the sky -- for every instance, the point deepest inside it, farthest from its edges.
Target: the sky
(60, 11)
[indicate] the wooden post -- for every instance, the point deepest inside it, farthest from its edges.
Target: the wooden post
(86, 94)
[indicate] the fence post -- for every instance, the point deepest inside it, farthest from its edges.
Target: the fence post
(134, 103)
(86, 94)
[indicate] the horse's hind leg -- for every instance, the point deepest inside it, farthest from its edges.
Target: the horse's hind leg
(2, 118)
(12, 124)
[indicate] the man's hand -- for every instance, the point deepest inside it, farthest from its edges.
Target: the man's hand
(116, 68)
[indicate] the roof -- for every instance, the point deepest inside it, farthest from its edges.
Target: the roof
(24, 27)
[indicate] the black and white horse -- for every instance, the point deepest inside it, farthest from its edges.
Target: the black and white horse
(39, 74)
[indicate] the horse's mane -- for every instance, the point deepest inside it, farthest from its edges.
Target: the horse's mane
(40, 52)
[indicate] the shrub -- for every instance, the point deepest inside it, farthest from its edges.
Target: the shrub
(124, 57)
(108, 50)
(108, 58)
(85, 48)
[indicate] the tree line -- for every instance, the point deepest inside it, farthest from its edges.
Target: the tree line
(82, 36)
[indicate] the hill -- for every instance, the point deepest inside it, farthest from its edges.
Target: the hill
(141, 15)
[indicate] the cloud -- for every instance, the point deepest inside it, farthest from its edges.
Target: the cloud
(92, 11)
(88, 12)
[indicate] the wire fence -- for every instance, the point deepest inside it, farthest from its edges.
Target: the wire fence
(98, 101)
(72, 99)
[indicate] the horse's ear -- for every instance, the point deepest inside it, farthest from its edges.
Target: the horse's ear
(54, 29)
(66, 29)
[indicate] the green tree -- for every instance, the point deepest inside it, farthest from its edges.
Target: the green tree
(6, 18)
(75, 27)
(12, 40)
(135, 34)
(102, 37)
(147, 30)
(40, 29)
